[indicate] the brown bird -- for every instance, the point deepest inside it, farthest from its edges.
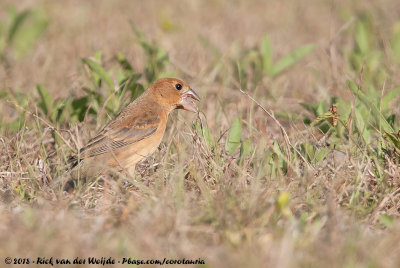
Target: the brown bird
(136, 132)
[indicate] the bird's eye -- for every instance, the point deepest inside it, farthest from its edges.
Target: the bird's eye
(178, 86)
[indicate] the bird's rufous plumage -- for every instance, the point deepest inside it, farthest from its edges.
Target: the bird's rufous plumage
(137, 131)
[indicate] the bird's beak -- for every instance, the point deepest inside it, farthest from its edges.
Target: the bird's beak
(187, 101)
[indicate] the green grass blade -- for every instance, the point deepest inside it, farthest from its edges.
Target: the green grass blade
(45, 99)
(291, 59)
(96, 68)
(124, 62)
(17, 20)
(394, 139)
(379, 118)
(234, 136)
(389, 97)
(362, 37)
(266, 53)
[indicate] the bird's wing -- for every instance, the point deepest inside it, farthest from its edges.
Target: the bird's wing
(117, 135)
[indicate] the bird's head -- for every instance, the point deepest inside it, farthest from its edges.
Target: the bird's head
(175, 94)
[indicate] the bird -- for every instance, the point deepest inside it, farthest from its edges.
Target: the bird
(134, 133)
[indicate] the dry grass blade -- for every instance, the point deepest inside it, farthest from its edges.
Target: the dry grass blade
(284, 134)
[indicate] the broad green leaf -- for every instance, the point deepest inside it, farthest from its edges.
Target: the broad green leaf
(321, 109)
(79, 107)
(362, 37)
(29, 32)
(234, 136)
(291, 59)
(17, 19)
(277, 149)
(246, 148)
(96, 68)
(45, 99)
(266, 53)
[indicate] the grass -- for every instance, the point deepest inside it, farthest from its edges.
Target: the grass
(293, 160)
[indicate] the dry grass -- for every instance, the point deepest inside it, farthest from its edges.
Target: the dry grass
(188, 200)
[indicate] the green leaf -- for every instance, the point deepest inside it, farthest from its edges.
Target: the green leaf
(394, 139)
(361, 126)
(312, 107)
(266, 53)
(321, 109)
(17, 19)
(205, 133)
(27, 39)
(79, 107)
(234, 136)
(322, 117)
(362, 37)
(124, 63)
(291, 59)
(246, 148)
(389, 97)
(45, 99)
(239, 74)
(379, 118)
(309, 150)
(322, 153)
(63, 108)
(130, 82)
(208, 138)
(26, 28)
(96, 68)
